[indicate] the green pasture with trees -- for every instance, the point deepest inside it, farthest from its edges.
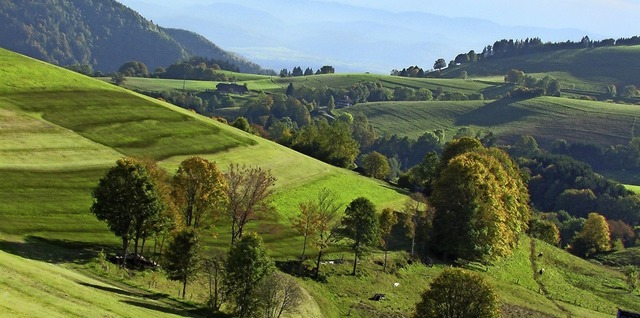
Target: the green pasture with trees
(231, 212)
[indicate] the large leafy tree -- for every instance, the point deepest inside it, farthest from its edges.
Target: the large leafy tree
(247, 265)
(199, 191)
(376, 165)
(456, 293)
(128, 199)
(183, 258)
(594, 236)
(249, 193)
(490, 208)
(360, 226)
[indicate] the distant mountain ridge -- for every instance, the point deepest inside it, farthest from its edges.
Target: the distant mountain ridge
(102, 33)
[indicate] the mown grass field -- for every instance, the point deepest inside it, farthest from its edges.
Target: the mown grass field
(546, 118)
(63, 131)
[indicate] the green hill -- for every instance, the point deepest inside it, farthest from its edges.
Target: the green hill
(102, 33)
(545, 118)
(66, 129)
(61, 131)
(590, 69)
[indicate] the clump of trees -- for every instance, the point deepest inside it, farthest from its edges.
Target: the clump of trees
(137, 201)
(528, 86)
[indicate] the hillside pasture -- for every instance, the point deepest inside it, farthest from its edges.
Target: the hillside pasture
(604, 65)
(57, 148)
(546, 118)
(33, 288)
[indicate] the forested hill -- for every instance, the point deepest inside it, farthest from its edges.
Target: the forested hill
(102, 33)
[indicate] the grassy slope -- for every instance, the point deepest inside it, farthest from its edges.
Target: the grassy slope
(546, 118)
(49, 198)
(109, 121)
(606, 65)
(31, 288)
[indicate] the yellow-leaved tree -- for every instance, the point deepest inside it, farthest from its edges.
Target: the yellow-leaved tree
(594, 236)
(481, 203)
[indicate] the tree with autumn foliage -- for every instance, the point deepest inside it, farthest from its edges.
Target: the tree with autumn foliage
(249, 191)
(199, 191)
(593, 238)
(306, 223)
(326, 222)
(481, 203)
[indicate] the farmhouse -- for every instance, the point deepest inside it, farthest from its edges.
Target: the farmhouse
(345, 101)
(232, 88)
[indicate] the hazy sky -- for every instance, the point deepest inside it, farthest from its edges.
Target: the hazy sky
(378, 35)
(610, 18)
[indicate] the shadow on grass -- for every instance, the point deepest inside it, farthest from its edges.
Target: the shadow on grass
(496, 113)
(53, 250)
(163, 303)
(152, 296)
(183, 312)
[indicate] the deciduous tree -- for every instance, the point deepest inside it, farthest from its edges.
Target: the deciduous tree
(594, 236)
(376, 165)
(127, 198)
(279, 294)
(386, 221)
(327, 220)
(440, 64)
(489, 212)
(199, 191)
(249, 193)
(360, 226)
(183, 258)
(456, 293)
(247, 265)
(545, 230)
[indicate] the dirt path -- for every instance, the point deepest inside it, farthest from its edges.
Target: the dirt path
(536, 277)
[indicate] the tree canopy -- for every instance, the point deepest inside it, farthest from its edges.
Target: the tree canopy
(360, 226)
(127, 199)
(199, 191)
(247, 265)
(489, 212)
(456, 293)
(183, 259)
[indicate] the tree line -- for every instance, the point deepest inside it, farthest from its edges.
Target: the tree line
(297, 71)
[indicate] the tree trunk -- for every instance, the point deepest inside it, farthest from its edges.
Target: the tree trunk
(355, 263)
(144, 240)
(304, 248)
(384, 267)
(233, 232)
(125, 245)
(184, 287)
(135, 245)
(413, 242)
(318, 263)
